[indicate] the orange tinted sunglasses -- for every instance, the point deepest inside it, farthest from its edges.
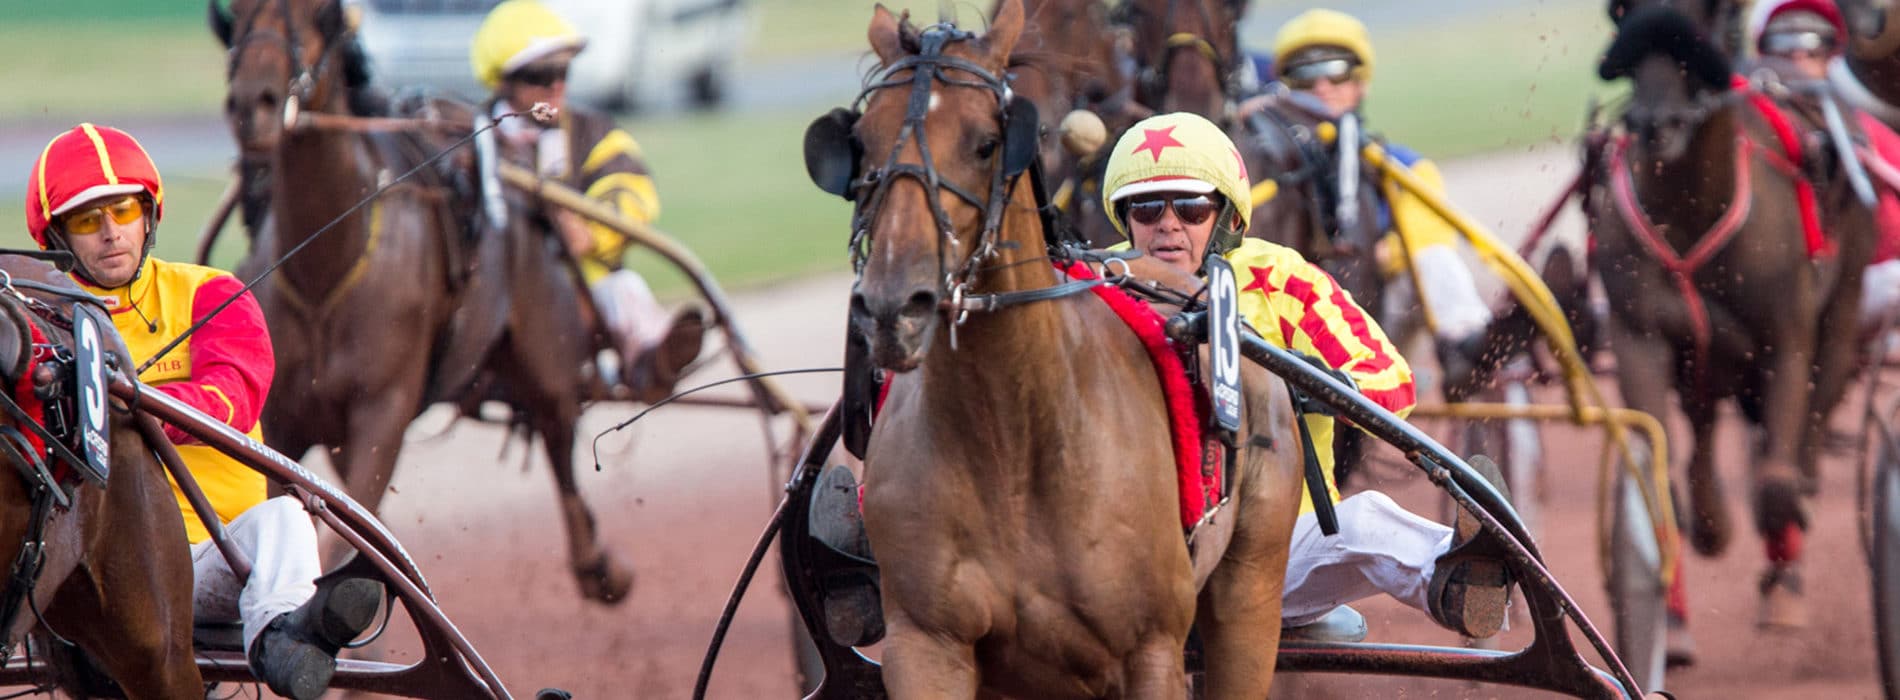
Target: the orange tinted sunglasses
(91, 220)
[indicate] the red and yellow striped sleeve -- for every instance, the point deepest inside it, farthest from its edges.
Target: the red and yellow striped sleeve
(1292, 301)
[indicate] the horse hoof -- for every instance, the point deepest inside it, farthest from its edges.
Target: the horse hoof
(605, 579)
(1783, 606)
(1679, 649)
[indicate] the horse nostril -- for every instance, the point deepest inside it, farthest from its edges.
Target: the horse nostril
(922, 302)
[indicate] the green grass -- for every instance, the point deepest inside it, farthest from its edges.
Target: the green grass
(785, 28)
(733, 189)
(733, 186)
(81, 69)
(1521, 77)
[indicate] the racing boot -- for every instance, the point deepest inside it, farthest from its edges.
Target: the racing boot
(848, 582)
(1341, 624)
(296, 653)
(661, 362)
(1470, 585)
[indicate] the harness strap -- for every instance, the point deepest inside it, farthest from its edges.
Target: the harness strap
(998, 300)
(1789, 163)
(1682, 269)
(1315, 474)
(25, 570)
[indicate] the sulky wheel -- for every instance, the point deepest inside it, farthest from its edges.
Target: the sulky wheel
(1885, 554)
(1634, 580)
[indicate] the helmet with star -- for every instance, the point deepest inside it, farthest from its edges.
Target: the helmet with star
(1178, 152)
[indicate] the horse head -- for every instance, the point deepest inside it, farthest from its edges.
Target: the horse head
(1297, 193)
(1186, 48)
(284, 57)
(929, 160)
(1679, 75)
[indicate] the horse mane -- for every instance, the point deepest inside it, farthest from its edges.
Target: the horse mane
(1655, 29)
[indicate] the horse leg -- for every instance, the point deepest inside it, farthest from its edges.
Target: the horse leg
(601, 575)
(1239, 623)
(1157, 670)
(919, 664)
(134, 626)
(368, 459)
(1780, 500)
(1645, 373)
(1836, 361)
(1710, 530)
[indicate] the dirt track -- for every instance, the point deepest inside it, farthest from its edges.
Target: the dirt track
(686, 495)
(690, 494)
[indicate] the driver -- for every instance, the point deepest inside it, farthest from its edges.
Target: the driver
(1170, 185)
(522, 52)
(96, 193)
(1325, 58)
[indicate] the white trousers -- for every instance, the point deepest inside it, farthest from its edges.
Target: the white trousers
(1880, 293)
(282, 543)
(1452, 293)
(1380, 548)
(628, 308)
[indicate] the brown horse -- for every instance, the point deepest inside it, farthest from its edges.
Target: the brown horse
(1700, 248)
(1065, 61)
(115, 578)
(1018, 491)
(1185, 51)
(396, 307)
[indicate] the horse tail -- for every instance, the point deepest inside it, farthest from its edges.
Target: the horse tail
(1663, 30)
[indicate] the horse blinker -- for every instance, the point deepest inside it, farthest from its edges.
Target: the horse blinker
(832, 152)
(1021, 136)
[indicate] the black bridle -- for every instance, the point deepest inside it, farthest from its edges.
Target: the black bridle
(832, 155)
(1152, 80)
(301, 89)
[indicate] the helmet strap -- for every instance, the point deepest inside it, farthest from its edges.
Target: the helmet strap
(1225, 237)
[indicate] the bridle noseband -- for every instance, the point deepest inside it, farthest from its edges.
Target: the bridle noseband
(303, 81)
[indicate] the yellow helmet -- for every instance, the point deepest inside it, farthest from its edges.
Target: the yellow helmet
(1324, 28)
(516, 33)
(1178, 152)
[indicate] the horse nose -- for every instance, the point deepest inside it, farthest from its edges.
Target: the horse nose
(920, 303)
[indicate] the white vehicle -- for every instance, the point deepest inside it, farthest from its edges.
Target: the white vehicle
(639, 52)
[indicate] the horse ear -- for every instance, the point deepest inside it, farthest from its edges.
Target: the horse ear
(330, 21)
(220, 22)
(1022, 135)
(1005, 29)
(886, 39)
(832, 153)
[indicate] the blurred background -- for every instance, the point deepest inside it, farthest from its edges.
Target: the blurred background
(718, 93)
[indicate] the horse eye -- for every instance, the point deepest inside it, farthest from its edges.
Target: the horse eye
(988, 147)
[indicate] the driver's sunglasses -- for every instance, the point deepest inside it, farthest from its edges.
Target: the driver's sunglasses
(1787, 43)
(1192, 210)
(91, 220)
(1337, 71)
(540, 76)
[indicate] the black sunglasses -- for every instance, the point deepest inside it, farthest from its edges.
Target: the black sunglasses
(1335, 71)
(540, 76)
(1192, 210)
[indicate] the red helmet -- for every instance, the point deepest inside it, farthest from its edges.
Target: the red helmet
(1824, 16)
(85, 164)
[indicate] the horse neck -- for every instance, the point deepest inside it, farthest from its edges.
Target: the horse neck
(319, 174)
(1690, 194)
(998, 372)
